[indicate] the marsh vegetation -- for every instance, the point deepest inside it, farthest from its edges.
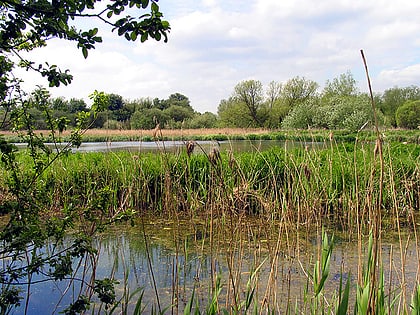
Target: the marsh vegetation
(251, 231)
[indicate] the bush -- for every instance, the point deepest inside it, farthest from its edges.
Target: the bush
(300, 117)
(206, 120)
(112, 124)
(408, 115)
(148, 118)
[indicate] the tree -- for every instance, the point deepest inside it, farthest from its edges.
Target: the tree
(300, 117)
(178, 114)
(342, 86)
(298, 90)
(408, 115)
(250, 93)
(25, 26)
(76, 105)
(178, 99)
(148, 118)
(59, 103)
(177, 107)
(115, 102)
(233, 113)
(395, 97)
(139, 104)
(273, 93)
(205, 120)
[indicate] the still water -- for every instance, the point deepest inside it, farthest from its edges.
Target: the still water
(172, 258)
(177, 146)
(201, 146)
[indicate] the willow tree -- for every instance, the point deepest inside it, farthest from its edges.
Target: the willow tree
(251, 94)
(298, 90)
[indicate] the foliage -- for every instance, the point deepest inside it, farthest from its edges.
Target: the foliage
(351, 112)
(34, 238)
(273, 93)
(393, 98)
(250, 94)
(232, 113)
(301, 116)
(346, 112)
(408, 115)
(178, 113)
(148, 118)
(27, 25)
(298, 90)
(178, 99)
(342, 86)
(205, 120)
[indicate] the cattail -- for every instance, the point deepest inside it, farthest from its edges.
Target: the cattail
(190, 147)
(156, 131)
(214, 155)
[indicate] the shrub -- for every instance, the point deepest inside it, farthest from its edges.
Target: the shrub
(301, 117)
(408, 115)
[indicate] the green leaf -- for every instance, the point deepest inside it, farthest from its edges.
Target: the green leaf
(85, 52)
(144, 37)
(344, 296)
(144, 3)
(133, 36)
(155, 7)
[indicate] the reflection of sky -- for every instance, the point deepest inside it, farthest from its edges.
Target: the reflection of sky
(122, 251)
(234, 146)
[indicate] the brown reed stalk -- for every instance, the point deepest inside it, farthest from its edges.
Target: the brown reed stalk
(377, 207)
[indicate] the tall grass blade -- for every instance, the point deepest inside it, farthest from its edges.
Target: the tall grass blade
(344, 296)
(188, 307)
(415, 301)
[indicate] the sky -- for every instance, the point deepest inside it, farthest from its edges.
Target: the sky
(213, 45)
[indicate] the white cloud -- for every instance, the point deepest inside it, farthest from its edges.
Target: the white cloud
(406, 76)
(215, 44)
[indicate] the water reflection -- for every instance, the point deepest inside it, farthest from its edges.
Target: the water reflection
(178, 146)
(179, 258)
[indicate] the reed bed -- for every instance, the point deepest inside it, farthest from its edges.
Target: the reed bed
(327, 187)
(258, 212)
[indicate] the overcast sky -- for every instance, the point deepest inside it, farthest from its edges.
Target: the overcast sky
(213, 45)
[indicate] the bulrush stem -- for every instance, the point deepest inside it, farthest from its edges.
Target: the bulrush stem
(377, 208)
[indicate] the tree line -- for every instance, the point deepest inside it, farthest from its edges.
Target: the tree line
(297, 103)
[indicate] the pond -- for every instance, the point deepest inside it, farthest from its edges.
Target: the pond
(172, 261)
(177, 146)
